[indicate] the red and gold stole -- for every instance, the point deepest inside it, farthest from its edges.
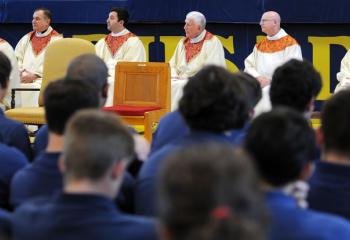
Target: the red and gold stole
(39, 43)
(272, 46)
(114, 43)
(192, 49)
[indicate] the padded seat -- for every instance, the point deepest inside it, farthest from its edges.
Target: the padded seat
(28, 115)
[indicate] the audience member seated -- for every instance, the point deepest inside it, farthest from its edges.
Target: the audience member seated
(281, 143)
(254, 94)
(62, 98)
(214, 104)
(201, 193)
(296, 85)
(11, 159)
(172, 126)
(97, 149)
(13, 133)
(87, 68)
(329, 185)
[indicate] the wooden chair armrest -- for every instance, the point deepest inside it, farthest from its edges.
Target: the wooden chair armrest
(151, 122)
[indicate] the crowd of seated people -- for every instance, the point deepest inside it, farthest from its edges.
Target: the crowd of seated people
(213, 172)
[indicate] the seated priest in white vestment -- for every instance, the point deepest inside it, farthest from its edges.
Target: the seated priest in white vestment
(344, 75)
(7, 49)
(30, 51)
(119, 45)
(193, 52)
(277, 48)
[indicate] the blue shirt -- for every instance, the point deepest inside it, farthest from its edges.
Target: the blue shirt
(11, 161)
(43, 178)
(330, 189)
(40, 178)
(5, 224)
(145, 190)
(78, 216)
(15, 134)
(289, 222)
(41, 140)
(173, 127)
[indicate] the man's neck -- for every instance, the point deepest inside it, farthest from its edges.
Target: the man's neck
(274, 32)
(55, 143)
(42, 32)
(88, 187)
(336, 158)
(118, 30)
(198, 38)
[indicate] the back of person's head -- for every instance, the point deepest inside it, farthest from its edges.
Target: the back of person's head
(214, 100)
(253, 88)
(62, 98)
(295, 84)
(92, 69)
(5, 70)
(210, 192)
(123, 14)
(335, 118)
(281, 143)
(94, 142)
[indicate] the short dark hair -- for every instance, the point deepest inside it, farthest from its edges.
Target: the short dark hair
(91, 69)
(335, 119)
(94, 141)
(197, 182)
(64, 97)
(123, 14)
(47, 12)
(252, 86)
(294, 85)
(5, 70)
(281, 142)
(214, 100)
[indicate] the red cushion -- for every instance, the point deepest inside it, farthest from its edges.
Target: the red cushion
(130, 110)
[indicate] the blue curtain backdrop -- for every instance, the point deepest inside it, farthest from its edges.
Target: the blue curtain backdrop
(216, 11)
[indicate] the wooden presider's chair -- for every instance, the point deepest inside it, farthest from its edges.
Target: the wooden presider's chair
(141, 93)
(57, 57)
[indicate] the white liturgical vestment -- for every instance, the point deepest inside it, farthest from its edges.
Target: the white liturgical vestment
(117, 47)
(344, 75)
(190, 56)
(30, 52)
(7, 49)
(267, 55)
